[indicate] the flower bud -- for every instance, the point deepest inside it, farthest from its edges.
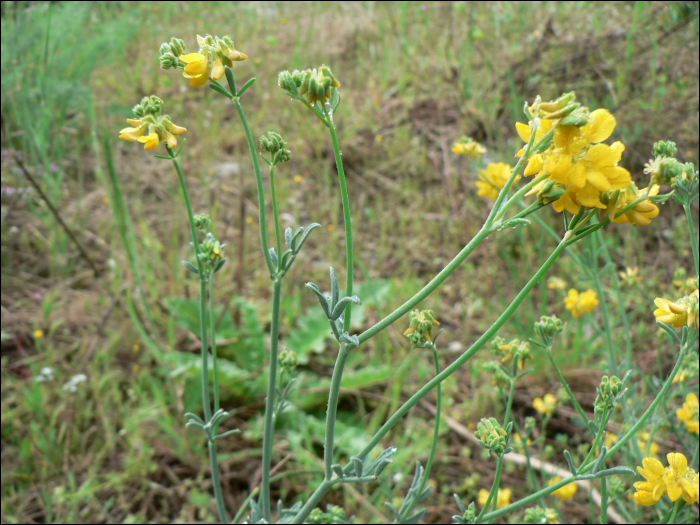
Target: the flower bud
(558, 104)
(491, 435)
(664, 149)
(420, 329)
(547, 326)
(609, 393)
(202, 221)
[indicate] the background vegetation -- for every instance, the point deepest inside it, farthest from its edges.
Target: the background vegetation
(415, 76)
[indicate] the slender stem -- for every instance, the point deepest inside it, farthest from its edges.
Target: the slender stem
(493, 494)
(346, 217)
(206, 402)
(566, 386)
(427, 289)
(216, 481)
(212, 329)
(332, 411)
(274, 211)
(603, 500)
(433, 445)
(693, 238)
(606, 319)
(259, 182)
(269, 429)
(313, 501)
(509, 403)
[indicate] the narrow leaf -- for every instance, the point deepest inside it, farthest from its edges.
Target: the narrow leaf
(572, 469)
(340, 306)
(322, 299)
(190, 267)
(246, 86)
(335, 289)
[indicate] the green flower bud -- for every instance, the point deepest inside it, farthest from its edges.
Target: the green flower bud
(149, 106)
(202, 221)
(547, 326)
(540, 515)
(609, 393)
(491, 435)
(559, 104)
(168, 61)
(551, 191)
(578, 118)
(664, 149)
(530, 423)
(290, 82)
(288, 361)
(420, 329)
(211, 251)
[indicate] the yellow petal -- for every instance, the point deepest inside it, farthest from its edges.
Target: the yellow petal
(131, 134)
(524, 131)
(589, 197)
(150, 141)
(600, 127)
(578, 175)
(171, 140)
(193, 57)
(136, 122)
(645, 498)
(196, 68)
(677, 462)
(176, 130)
(598, 180)
(201, 41)
(218, 70)
(653, 466)
(534, 166)
(674, 491)
(659, 490)
(199, 80)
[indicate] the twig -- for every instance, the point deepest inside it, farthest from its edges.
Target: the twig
(56, 215)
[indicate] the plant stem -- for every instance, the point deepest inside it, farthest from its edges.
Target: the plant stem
(493, 494)
(269, 429)
(212, 329)
(313, 501)
(346, 217)
(509, 403)
(274, 211)
(566, 386)
(206, 402)
(603, 500)
(216, 481)
(332, 410)
(261, 190)
(693, 238)
(433, 445)
(428, 288)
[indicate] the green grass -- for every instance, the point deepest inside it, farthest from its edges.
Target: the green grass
(117, 450)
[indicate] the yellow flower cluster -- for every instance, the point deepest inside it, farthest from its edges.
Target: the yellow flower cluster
(493, 178)
(683, 311)
(676, 480)
(556, 283)
(214, 54)
(581, 303)
(577, 159)
(689, 413)
(469, 147)
(150, 119)
(547, 406)
(504, 496)
(630, 277)
(564, 493)
(577, 169)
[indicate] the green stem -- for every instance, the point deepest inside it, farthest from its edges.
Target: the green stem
(509, 403)
(493, 494)
(423, 391)
(216, 481)
(332, 411)
(212, 329)
(566, 386)
(274, 211)
(606, 319)
(693, 238)
(603, 500)
(261, 190)
(433, 445)
(269, 429)
(428, 288)
(346, 217)
(313, 501)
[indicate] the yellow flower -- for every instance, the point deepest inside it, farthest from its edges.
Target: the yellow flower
(547, 406)
(556, 283)
(642, 441)
(684, 311)
(641, 214)
(331, 227)
(151, 141)
(469, 147)
(38, 334)
(566, 492)
(649, 492)
(133, 133)
(630, 277)
(214, 54)
(493, 178)
(525, 131)
(504, 496)
(676, 480)
(689, 413)
(298, 179)
(581, 303)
